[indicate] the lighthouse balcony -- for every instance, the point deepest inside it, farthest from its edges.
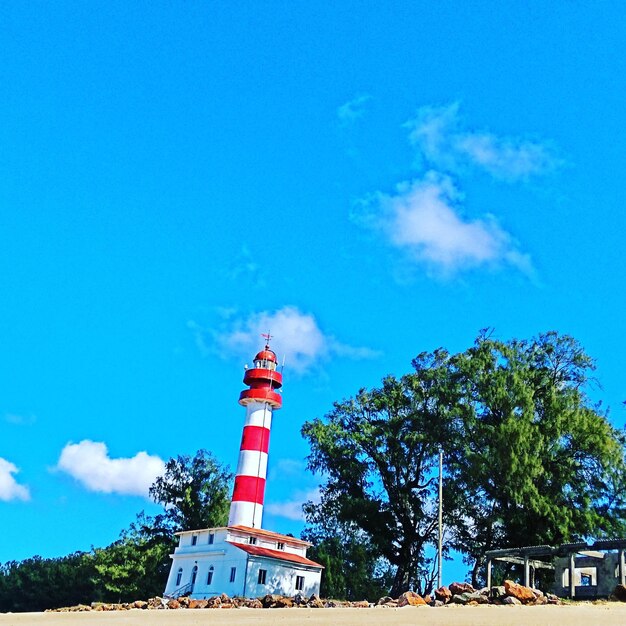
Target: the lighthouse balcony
(263, 394)
(254, 377)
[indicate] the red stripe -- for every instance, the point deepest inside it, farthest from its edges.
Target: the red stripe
(249, 489)
(255, 438)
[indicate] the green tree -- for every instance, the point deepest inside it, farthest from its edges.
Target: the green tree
(352, 569)
(377, 454)
(195, 492)
(528, 458)
(137, 564)
(540, 464)
(37, 584)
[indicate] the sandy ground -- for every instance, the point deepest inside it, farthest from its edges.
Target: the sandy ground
(575, 615)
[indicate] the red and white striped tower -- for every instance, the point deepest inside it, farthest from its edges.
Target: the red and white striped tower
(246, 508)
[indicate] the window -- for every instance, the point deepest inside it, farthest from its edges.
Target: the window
(209, 576)
(233, 573)
(194, 575)
(280, 545)
(179, 576)
(299, 583)
(194, 540)
(252, 541)
(211, 538)
(262, 575)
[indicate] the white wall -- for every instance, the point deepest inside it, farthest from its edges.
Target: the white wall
(222, 558)
(280, 579)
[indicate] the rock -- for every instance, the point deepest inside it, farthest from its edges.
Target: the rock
(227, 605)
(443, 594)
(252, 603)
(478, 597)
(385, 600)
(276, 602)
(619, 593)
(214, 603)
(173, 604)
(510, 600)
(437, 603)
(410, 598)
(360, 604)
(140, 604)
(524, 594)
(552, 599)
(315, 602)
(461, 598)
(197, 604)
(497, 594)
(184, 601)
(268, 600)
(539, 600)
(456, 588)
(156, 603)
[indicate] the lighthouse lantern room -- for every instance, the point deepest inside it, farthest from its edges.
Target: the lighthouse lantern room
(242, 559)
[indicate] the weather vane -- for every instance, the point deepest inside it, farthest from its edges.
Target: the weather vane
(267, 338)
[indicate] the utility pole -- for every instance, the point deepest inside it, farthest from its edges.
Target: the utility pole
(440, 542)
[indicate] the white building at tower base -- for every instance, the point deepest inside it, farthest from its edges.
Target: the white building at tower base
(241, 562)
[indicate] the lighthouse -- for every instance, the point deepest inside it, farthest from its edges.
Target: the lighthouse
(242, 559)
(261, 399)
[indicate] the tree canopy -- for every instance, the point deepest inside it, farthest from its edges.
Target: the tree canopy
(539, 464)
(195, 492)
(528, 458)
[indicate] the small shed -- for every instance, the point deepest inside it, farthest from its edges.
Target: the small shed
(581, 570)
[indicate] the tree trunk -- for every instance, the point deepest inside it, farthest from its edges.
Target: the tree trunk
(400, 582)
(475, 571)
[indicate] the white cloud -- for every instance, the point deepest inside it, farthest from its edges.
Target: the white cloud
(292, 509)
(296, 336)
(89, 463)
(10, 489)
(424, 218)
(243, 266)
(353, 110)
(437, 133)
(286, 468)
(20, 420)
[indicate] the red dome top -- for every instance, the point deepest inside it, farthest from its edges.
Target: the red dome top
(266, 355)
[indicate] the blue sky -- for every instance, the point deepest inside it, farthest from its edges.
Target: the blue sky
(367, 180)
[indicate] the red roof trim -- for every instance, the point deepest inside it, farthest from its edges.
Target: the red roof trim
(260, 532)
(279, 555)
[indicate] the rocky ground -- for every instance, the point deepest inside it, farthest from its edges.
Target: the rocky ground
(510, 593)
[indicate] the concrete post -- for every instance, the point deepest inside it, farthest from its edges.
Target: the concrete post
(488, 573)
(526, 572)
(622, 567)
(572, 575)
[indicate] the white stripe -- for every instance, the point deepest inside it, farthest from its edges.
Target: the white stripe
(245, 514)
(252, 463)
(258, 414)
